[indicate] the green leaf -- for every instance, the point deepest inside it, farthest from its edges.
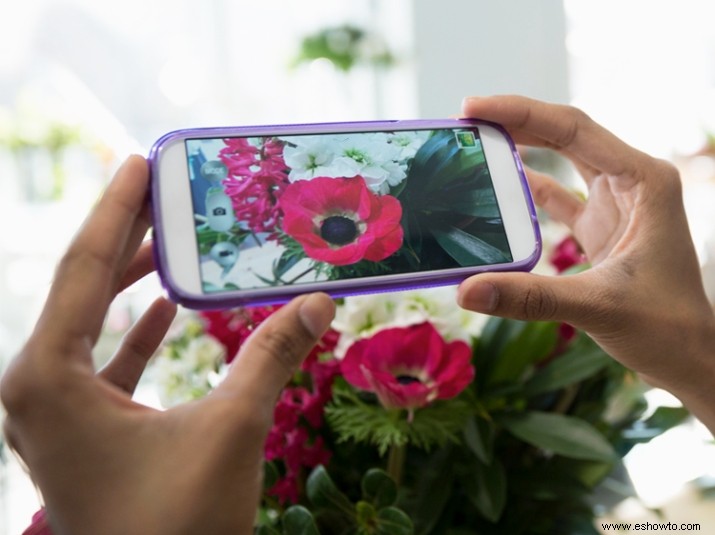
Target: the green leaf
(466, 249)
(428, 497)
(270, 475)
(479, 437)
(486, 489)
(266, 530)
(323, 493)
(475, 202)
(365, 514)
(664, 418)
(528, 344)
(560, 434)
(393, 521)
(440, 164)
(297, 520)
(583, 359)
(428, 155)
(286, 261)
(378, 488)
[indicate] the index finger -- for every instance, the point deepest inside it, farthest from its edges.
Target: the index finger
(563, 128)
(89, 272)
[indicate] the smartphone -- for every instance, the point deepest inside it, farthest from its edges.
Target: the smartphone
(257, 215)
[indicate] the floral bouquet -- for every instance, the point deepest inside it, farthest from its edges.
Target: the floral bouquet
(414, 416)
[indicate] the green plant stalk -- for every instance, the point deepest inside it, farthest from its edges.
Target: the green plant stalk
(300, 275)
(396, 462)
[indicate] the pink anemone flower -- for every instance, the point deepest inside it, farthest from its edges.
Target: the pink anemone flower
(340, 221)
(409, 367)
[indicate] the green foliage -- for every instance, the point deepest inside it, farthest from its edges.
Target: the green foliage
(298, 520)
(452, 202)
(557, 433)
(582, 360)
(345, 47)
(208, 237)
(379, 488)
(369, 423)
(521, 452)
(374, 513)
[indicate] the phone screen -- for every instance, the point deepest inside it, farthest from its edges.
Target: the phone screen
(275, 211)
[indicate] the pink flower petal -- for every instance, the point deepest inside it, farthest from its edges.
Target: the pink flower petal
(433, 368)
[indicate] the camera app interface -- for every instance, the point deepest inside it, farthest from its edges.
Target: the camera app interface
(274, 211)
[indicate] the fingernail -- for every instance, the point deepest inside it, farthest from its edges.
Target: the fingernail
(478, 296)
(316, 312)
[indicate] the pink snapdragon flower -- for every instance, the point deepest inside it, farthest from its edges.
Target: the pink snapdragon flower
(244, 159)
(232, 327)
(409, 367)
(257, 176)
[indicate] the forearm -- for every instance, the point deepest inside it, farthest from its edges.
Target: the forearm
(695, 386)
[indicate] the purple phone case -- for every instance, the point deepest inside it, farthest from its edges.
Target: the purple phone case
(337, 288)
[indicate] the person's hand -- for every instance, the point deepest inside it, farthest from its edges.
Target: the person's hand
(643, 300)
(107, 465)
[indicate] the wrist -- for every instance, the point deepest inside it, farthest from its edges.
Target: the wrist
(694, 384)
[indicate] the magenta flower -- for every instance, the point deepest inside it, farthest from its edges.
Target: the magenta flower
(242, 158)
(340, 221)
(567, 254)
(297, 416)
(232, 327)
(409, 367)
(257, 175)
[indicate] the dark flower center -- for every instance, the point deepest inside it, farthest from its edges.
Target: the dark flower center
(338, 230)
(407, 379)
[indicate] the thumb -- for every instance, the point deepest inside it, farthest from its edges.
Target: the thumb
(273, 353)
(526, 296)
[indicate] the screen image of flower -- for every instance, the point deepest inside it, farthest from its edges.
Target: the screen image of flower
(273, 211)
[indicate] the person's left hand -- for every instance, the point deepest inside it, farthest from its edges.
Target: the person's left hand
(105, 464)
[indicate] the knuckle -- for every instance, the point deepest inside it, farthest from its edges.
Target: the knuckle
(576, 119)
(16, 390)
(669, 175)
(28, 380)
(282, 345)
(539, 304)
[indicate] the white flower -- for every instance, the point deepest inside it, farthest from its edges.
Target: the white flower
(308, 156)
(377, 157)
(372, 157)
(409, 142)
(193, 374)
(362, 316)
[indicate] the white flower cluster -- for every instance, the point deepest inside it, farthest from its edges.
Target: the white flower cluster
(380, 158)
(191, 374)
(362, 316)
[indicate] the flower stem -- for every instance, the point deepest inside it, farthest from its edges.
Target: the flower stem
(396, 462)
(303, 274)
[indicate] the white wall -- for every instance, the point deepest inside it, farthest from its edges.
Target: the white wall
(481, 47)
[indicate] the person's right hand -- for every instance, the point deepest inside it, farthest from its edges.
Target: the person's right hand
(643, 300)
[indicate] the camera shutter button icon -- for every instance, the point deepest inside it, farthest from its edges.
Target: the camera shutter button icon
(219, 212)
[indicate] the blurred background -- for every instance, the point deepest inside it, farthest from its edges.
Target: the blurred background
(85, 83)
